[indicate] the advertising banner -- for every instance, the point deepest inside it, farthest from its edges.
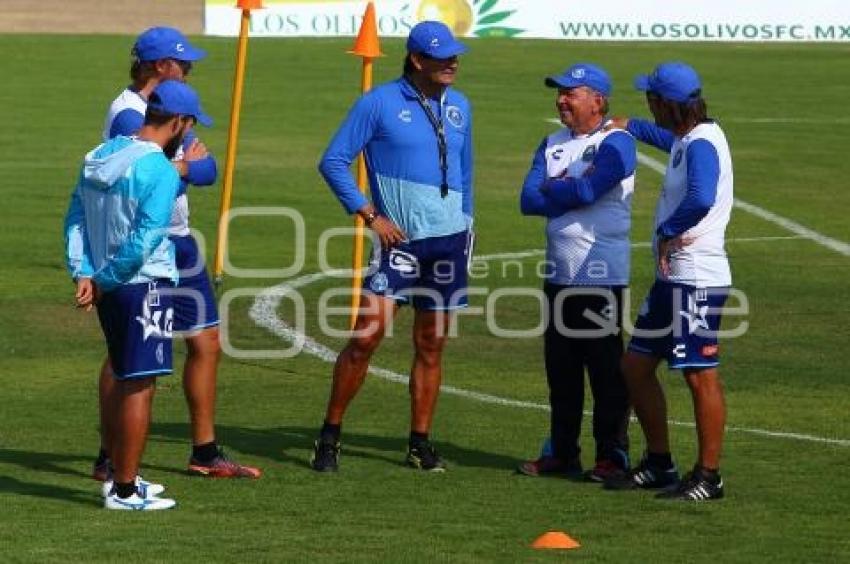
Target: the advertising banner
(614, 20)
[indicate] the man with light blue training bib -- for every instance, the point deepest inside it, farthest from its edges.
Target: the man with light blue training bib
(118, 252)
(417, 137)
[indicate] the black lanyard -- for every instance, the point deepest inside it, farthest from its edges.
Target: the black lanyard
(440, 131)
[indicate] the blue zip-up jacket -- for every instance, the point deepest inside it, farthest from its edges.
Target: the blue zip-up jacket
(403, 160)
(117, 220)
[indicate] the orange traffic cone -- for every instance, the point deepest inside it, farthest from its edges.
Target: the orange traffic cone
(249, 4)
(366, 45)
(555, 539)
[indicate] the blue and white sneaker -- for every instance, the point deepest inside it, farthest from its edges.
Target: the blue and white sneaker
(137, 503)
(146, 489)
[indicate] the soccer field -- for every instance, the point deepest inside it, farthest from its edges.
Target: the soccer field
(788, 446)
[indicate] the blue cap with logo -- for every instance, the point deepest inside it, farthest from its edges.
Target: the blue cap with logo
(582, 74)
(674, 81)
(165, 43)
(178, 98)
(435, 40)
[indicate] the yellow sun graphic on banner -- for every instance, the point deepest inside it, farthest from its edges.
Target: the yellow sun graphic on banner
(456, 14)
(483, 18)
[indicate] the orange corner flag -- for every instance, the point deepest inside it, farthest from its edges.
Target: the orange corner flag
(249, 4)
(555, 539)
(367, 45)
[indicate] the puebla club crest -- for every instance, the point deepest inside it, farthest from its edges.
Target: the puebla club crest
(455, 116)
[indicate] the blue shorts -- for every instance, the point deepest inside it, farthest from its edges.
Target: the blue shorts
(136, 320)
(194, 301)
(684, 320)
(429, 273)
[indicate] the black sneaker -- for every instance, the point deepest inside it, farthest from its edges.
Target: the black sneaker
(697, 486)
(644, 476)
(325, 456)
(424, 457)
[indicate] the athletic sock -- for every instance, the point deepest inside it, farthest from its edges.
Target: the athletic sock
(417, 438)
(102, 457)
(710, 474)
(330, 432)
(205, 452)
(125, 490)
(661, 460)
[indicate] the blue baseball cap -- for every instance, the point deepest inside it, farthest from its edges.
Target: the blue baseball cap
(165, 43)
(434, 39)
(178, 98)
(582, 74)
(674, 81)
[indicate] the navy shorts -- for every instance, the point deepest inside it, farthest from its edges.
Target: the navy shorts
(429, 273)
(194, 301)
(136, 320)
(680, 323)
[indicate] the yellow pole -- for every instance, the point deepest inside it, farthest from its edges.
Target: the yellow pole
(366, 46)
(232, 137)
(362, 181)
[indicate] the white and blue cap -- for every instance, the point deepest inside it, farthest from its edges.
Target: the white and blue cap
(674, 80)
(178, 98)
(582, 74)
(435, 40)
(165, 43)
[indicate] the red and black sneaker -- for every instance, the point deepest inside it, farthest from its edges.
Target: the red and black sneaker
(551, 466)
(222, 466)
(604, 469)
(614, 465)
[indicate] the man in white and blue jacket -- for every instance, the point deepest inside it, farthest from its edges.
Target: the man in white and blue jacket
(680, 318)
(164, 53)
(582, 179)
(417, 137)
(118, 252)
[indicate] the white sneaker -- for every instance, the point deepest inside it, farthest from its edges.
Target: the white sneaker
(136, 503)
(146, 489)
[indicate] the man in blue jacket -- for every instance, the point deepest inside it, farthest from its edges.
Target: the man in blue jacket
(417, 137)
(163, 53)
(119, 255)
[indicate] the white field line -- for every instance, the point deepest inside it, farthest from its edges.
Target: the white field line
(264, 313)
(784, 222)
(787, 224)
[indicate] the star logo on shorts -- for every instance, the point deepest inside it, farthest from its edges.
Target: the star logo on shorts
(151, 322)
(695, 315)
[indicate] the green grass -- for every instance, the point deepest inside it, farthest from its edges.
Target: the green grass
(787, 499)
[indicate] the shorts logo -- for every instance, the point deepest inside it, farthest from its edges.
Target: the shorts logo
(160, 356)
(679, 351)
(403, 262)
(677, 158)
(379, 283)
(455, 116)
(589, 154)
(153, 323)
(695, 315)
(709, 350)
(405, 116)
